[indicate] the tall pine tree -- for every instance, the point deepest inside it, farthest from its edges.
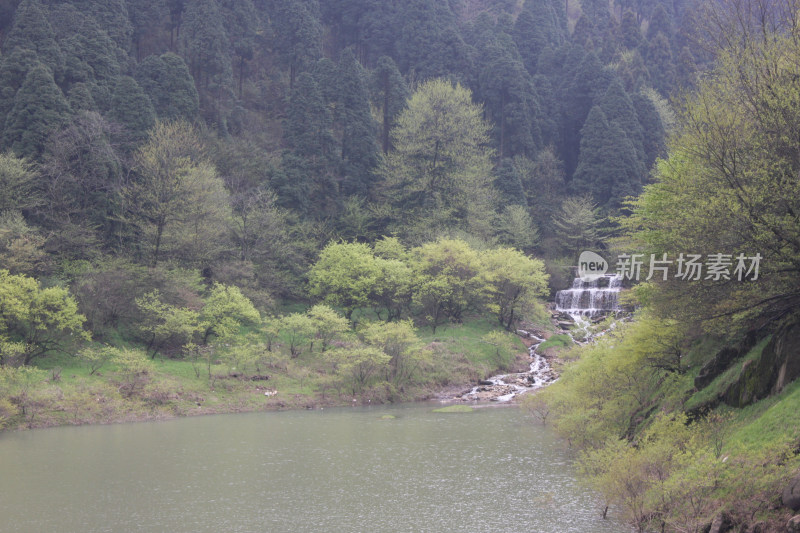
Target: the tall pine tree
(39, 109)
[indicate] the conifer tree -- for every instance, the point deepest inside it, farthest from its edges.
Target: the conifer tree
(618, 107)
(510, 98)
(389, 94)
(168, 83)
(39, 109)
(131, 109)
(652, 128)
(14, 66)
(298, 35)
(32, 31)
(630, 31)
(307, 180)
(147, 18)
(659, 22)
(607, 168)
(359, 149)
(661, 64)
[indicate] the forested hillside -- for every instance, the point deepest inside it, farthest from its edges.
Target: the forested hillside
(299, 127)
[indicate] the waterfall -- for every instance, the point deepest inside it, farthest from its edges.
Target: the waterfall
(590, 298)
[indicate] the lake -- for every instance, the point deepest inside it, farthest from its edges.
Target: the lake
(337, 470)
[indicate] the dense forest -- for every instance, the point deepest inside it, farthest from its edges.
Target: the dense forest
(200, 195)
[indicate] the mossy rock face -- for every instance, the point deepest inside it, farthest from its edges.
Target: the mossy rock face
(776, 366)
(454, 409)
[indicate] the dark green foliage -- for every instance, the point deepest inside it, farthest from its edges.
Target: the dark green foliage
(659, 22)
(686, 70)
(653, 138)
(510, 98)
(39, 109)
(147, 18)
(168, 83)
(206, 45)
(131, 109)
(359, 149)
(630, 31)
(660, 64)
(389, 94)
(618, 107)
(90, 56)
(298, 35)
(32, 31)
(81, 175)
(608, 168)
(430, 44)
(242, 26)
(307, 179)
(508, 183)
(80, 98)
(588, 83)
(13, 69)
(112, 16)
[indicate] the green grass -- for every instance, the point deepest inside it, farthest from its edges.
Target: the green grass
(454, 409)
(557, 341)
(467, 339)
(772, 420)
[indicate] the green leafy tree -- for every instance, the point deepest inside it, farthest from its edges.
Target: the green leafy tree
(225, 312)
(578, 224)
(513, 281)
(168, 167)
(164, 325)
(447, 280)
(328, 323)
(297, 330)
(359, 364)
(17, 183)
(439, 172)
(399, 341)
(35, 321)
(344, 276)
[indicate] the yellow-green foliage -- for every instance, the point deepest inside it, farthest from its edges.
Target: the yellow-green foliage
(615, 404)
(35, 321)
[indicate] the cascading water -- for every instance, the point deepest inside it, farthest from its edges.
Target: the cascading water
(590, 298)
(505, 387)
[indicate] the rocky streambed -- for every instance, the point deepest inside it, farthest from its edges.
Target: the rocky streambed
(504, 388)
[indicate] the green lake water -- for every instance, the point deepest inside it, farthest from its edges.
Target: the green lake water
(337, 470)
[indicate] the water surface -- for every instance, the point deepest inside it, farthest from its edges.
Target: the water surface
(335, 470)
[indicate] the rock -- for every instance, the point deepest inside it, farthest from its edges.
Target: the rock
(722, 360)
(791, 494)
(768, 373)
(721, 524)
(793, 524)
(485, 382)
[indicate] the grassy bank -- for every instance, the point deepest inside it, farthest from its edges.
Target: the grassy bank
(63, 389)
